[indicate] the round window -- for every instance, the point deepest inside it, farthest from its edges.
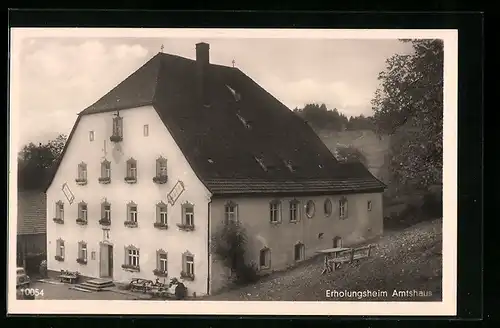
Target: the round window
(310, 209)
(328, 207)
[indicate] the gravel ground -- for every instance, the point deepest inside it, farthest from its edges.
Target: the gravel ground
(407, 260)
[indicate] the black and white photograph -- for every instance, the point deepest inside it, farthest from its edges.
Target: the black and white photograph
(201, 171)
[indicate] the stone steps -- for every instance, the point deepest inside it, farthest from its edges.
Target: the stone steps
(94, 285)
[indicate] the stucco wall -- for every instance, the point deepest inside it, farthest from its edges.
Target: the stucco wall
(253, 213)
(144, 193)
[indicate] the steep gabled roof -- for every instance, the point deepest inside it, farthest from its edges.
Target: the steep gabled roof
(31, 212)
(245, 140)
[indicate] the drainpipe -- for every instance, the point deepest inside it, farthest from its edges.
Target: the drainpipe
(208, 248)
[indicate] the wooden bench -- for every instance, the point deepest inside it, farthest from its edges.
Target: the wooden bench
(349, 256)
(143, 285)
(69, 277)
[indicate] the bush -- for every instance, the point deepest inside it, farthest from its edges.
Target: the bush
(229, 245)
(432, 205)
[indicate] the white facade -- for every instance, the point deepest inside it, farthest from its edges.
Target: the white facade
(144, 193)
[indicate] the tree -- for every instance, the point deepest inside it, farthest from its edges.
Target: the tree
(320, 117)
(36, 163)
(409, 106)
(350, 154)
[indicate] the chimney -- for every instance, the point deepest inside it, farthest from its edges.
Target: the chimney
(202, 63)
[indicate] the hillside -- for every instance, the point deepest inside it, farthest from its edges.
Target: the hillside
(375, 149)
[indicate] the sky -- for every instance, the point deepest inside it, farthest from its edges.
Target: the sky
(60, 77)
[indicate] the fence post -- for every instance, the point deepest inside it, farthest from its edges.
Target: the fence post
(352, 255)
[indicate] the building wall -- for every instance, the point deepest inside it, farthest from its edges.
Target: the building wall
(253, 213)
(144, 193)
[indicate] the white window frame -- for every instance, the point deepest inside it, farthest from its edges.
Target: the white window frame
(162, 211)
(161, 167)
(231, 212)
(118, 126)
(132, 256)
(302, 252)
(294, 211)
(132, 212)
(188, 214)
(106, 169)
(60, 250)
(370, 205)
(60, 210)
(83, 211)
(189, 264)
(91, 135)
(328, 202)
(267, 258)
(275, 211)
(82, 250)
(145, 130)
(106, 207)
(313, 207)
(162, 264)
(343, 210)
(132, 168)
(82, 171)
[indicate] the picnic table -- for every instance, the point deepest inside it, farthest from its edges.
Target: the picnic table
(68, 276)
(330, 254)
(334, 257)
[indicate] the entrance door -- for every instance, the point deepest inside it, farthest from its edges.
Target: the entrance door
(104, 261)
(110, 260)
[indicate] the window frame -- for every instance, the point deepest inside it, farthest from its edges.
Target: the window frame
(106, 210)
(369, 205)
(277, 210)
(145, 130)
(82, 250)
(131, 253)
(185, 207)
(306, 205)
(131, 169)
(159, 207)
(328, 202)
(160, 260)
(118, 126)
(230, 212)
(294, 207)
(106, 169)
(132, 212)
(302, 251)
(188, 265)
(60, 210)
(343, 208)
(91, 135)
(267, 258)
(60, 248)
(83, 211)
(82, 171)
(161, 167)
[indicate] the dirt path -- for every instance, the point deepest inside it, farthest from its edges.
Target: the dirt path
(408, 260)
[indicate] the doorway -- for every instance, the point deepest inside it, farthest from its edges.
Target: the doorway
(106, 261)
(337, 242)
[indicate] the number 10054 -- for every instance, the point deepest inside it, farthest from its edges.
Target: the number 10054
(32, 291)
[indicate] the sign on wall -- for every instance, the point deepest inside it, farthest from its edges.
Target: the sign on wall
(67, 192)
(176, 191)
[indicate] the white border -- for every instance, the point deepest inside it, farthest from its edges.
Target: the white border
(446, 307)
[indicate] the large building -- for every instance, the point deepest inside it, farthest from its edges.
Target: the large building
(154, 168)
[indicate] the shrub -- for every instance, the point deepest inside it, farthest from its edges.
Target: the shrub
(229, 245)
(432, 205)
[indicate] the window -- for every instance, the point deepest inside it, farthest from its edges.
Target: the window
(294, 210)
(82, 171)
(230, 212)
(161, 264)
(369, 205)
(161, 167)
(161, 213)
(60, 210)
(106, 170)
(91, 135)
(132, 256)
(188, 265)
(131, 169)
(146, 130)
(327, 207)
(132, 212)
(92, 255)
(118, 126)
(274, 211)
(82, 211)
(106, 211)
(188, 215)
(343, 208)
(265, 258)
(299, 252)
(60, 248)
(82, 251)
(310, 209)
